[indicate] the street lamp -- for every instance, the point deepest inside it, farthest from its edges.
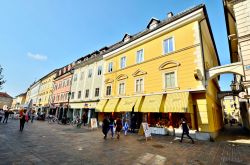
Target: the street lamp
(233, 86)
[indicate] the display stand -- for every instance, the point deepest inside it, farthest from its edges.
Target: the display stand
(144, 130)
(93, 123)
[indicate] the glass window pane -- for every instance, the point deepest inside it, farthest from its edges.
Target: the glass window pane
(171, 48)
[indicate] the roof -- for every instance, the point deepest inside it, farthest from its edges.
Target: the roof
(4, 94)
(22, 94)
(163, 23)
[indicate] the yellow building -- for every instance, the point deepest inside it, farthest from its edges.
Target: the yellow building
(45, 91)
(159, 74)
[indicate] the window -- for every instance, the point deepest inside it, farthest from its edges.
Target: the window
(87, 93)
(139, 56)
(99, 70)
(139, 85)
(97, 90)
(82, 74)
(61, 97)
(75, 77)
(170, 80)
(168, 45)
(90, 73)
(121, 89)
(108, 90)
(72, 95)
(79, 94)
(110, 67)
(66, 96)
(123, 62)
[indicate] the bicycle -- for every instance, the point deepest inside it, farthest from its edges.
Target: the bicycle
(52, 119)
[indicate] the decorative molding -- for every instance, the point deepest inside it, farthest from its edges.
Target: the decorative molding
(169, 64)
(108, 80)
(121, 77)
(139, 72)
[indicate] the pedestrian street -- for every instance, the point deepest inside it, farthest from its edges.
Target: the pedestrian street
(43, 143)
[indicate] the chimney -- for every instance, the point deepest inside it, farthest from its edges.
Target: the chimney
(170, 14)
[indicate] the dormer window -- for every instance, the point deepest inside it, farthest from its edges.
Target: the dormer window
(126, 38)
(153, 23)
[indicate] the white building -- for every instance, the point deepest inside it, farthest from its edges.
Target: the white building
(86, 85)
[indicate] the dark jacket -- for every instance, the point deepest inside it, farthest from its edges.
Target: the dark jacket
(118, 125)
(185, 127)
(105, 125)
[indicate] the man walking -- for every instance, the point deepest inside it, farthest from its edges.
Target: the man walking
(185, 130)
(6, 116)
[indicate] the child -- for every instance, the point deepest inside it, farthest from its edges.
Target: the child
(125, 128)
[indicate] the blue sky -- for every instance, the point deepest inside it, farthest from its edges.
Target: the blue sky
(39, 36)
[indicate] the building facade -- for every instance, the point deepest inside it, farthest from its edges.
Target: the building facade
(231, 109)
(238, 28)
(33, 95)
(45, 92)
(61, 90)
(5, 99)
(19, 101)
(86, 86)
(159, 74)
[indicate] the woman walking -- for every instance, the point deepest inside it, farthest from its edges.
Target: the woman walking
(22, 119)
(185, 130)
(118, 125)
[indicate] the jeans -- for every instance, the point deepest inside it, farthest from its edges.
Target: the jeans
(111, 127)
(5, 119)
(187, 133)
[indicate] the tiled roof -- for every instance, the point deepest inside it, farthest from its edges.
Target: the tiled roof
(3, 94)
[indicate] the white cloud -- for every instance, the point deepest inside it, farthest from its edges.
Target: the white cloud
(38, 57)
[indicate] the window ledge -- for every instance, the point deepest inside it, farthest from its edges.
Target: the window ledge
(170, 89)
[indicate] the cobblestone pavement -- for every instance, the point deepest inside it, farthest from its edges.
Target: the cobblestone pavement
(43, 143)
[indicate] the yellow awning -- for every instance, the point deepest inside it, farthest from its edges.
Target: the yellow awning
(111, 105)
(178, 102)
(152, 104)
(101, 105)
(126, 104)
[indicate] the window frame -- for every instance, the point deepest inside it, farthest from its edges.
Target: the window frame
(98, 69)
(90, 73)
(163, 45)
(98, 92)
(79, 95)
(143, 84)
(175, 83)
(125, 62)
(142, 56)
(110, 70)
(121, 82)
(87, 93)
(107, 90)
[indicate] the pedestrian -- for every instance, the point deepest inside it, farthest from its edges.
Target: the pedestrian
(185, 130)
(6, 116)
(111, 125)
(133, 123)
(125, 127)
(84, 118)
(1, 114)
(118, 127)
(22, 119)
(105, 126)
(32, 115)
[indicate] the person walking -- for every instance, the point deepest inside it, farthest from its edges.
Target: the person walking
(105, 126)
(185, 130)
(118, 126)
(32, 115)
(111, 125)
(133, 123)
(1, 114)
(22, 119)
(125, 128)
(84, 118)
(6, 116)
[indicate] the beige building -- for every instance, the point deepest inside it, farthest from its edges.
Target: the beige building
(237, 14)
(18, 101)
(231, 108)
(5, 99)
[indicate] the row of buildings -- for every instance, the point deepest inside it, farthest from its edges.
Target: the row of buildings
(159, 75)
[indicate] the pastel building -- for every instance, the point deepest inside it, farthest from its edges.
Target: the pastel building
(86, 87)
(61, 90)
(159, 75)
(45, 91)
